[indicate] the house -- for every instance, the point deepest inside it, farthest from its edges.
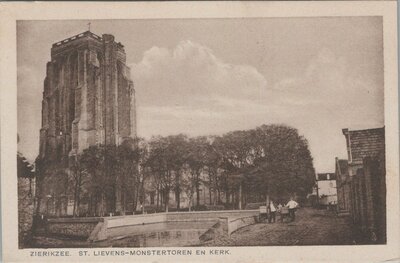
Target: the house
(326, 188)
(366, 169)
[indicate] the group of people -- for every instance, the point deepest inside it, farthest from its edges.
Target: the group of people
(272, 210)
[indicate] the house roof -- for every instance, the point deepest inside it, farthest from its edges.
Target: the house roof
(365, 143)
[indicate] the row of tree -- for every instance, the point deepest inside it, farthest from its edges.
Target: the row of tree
(238, 167)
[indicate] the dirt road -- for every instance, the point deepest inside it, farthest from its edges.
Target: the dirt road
(311, 227)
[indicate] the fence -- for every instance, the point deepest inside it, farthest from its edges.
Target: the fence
(368, 199)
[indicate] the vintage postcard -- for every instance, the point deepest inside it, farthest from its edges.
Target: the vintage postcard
(199, 131)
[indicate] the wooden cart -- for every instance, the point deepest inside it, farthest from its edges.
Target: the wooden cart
(284, 213)
(263, 214)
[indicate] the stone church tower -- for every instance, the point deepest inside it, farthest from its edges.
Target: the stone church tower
(88, 99)
(88, 96)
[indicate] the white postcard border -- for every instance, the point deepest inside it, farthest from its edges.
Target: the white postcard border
(11, 12)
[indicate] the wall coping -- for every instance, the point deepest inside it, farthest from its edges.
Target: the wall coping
(181, 213)
(224, 214)
(76, 220)
(100, 232)
(240, 218)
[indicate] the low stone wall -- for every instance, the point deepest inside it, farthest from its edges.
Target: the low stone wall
(73, 227)
(207, 215)
(114, 226)
(119, 221)
(96, 229)
(225, 226)
(237, 223)
(220, 228)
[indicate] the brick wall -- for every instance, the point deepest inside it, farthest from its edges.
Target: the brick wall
(72, 227)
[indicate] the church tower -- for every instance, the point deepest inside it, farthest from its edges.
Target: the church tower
(88, 96)
(88, 99)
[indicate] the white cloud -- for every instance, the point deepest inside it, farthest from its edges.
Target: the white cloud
(327, 85)
(327, 98)
(193, 89)
(189, 89)
(191, 73)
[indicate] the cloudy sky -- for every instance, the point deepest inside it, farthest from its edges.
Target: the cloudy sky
(210, 76)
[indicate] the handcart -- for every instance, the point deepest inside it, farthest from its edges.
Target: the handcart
(284, 213)
(263, 214)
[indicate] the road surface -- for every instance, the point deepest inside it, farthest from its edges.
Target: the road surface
(311, 227)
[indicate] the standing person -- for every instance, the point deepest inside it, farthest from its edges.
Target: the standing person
(272, 210)
(292, 205)
(279, 210)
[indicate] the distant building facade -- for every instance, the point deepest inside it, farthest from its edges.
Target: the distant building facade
(88, 99)
(326, 188)
(366, 168)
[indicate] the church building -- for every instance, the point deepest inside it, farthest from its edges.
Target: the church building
(88, 99)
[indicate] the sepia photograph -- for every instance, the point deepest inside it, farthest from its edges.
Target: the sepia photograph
(221, 132)
(188, 134)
